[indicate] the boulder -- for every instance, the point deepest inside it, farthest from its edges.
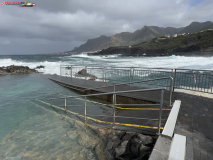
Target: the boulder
(39, 67)
(121, 149)
(83, 73)
(145, 139)
(121, 145)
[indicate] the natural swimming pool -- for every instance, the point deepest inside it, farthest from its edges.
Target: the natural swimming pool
(30, 130)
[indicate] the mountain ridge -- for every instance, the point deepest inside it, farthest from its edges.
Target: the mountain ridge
(195, 44)
(144, 34)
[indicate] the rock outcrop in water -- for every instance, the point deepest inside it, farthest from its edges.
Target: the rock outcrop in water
(84, 73)
(16, 70)
(39, 67)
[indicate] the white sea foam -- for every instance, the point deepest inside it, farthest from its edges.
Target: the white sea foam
(50, 67)
(147, 62)
(165, 62)
(80, 55)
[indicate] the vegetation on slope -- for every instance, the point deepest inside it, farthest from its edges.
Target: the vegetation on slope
(200, 42)
(145, 34)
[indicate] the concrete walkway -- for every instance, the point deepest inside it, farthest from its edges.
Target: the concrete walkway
(195, 119)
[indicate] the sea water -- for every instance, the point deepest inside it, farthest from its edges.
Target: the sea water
(30, 128)
(52, 62)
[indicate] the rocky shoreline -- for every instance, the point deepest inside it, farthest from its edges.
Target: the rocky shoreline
(136, 52)
(122, 145)
(16, 70)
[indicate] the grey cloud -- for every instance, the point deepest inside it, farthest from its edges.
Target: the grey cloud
(54, 25)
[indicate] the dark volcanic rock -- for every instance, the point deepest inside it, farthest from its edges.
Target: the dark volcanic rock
(83, 73)
(139, 146)
(39, 67)
(121, 145)
(16, 70)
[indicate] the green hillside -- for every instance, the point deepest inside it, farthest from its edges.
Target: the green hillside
(145, 34)
(202, 40)
(200, 43)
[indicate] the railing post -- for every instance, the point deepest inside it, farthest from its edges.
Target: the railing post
(60, 70)
(85, 72)
(174, 81)
(133, 70)
(130, 76)
(171, 72)
(160, 111)
(170, 96)
(85, 113)
(71, 71)
(65, 104)
(105, 73)
(114, 103)
(114, 88)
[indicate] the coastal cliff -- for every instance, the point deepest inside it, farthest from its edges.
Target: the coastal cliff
(145, 34)
(197, 44)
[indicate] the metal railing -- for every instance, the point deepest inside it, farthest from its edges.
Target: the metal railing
(114, 104)
(114, 86)
(115, 74)
(196, 80)
(131, 83)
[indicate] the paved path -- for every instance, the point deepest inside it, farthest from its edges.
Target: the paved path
(195, 119)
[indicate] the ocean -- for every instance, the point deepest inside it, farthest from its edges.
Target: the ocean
(52, 62)
(30, 129)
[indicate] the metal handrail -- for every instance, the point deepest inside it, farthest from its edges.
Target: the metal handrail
(170, 94)
(114, 102)
(171, 86)
(144, 68)
(115, 67)
(89, 95)
(178, 78)
(129, 83)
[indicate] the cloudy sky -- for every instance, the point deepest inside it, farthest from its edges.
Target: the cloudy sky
(60, 25)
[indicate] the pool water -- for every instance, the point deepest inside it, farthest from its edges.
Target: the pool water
(30, 130)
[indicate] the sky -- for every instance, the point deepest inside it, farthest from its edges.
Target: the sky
(60, 25)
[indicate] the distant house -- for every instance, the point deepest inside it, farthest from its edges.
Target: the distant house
(168, 36)
(175, 35)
